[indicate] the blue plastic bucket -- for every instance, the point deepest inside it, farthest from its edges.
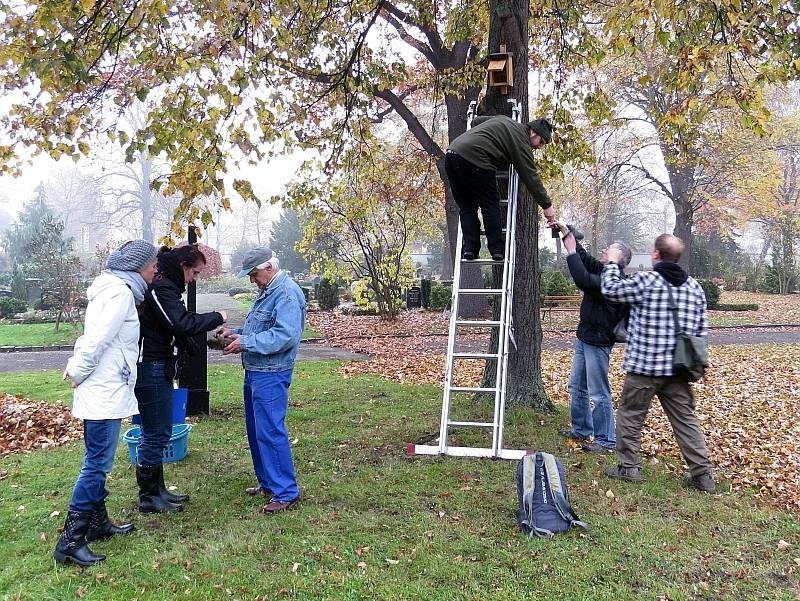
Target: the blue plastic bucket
(179, 398)
(177, 447)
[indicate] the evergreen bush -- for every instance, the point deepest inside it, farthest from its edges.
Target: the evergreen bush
(736, 307)
(425, 293)
(327, 294)
(555, 283)
(440, 297)
(10, 306)
(712, 291)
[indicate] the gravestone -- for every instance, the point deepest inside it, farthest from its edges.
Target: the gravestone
(414, 298)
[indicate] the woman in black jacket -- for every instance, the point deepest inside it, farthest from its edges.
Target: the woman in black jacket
(166, 328)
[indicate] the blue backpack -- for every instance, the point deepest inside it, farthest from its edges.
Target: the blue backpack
(544, 507)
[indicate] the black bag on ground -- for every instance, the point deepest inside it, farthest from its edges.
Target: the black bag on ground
(544, 507)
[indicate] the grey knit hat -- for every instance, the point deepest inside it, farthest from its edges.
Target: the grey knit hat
(134, 255)
(542, 127)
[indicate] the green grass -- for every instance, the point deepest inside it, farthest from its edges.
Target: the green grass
(377, 524)
(38, 334)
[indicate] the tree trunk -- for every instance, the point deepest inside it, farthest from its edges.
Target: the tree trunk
(145, 195)
(680, 179)
(508, 25)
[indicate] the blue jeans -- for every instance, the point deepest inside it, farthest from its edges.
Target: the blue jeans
(588, 385)
(100, 437)
(154, 396)
(266, 398)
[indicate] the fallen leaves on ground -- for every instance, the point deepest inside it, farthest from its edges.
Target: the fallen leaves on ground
(27, 425)
(772, 308)
(747, 404)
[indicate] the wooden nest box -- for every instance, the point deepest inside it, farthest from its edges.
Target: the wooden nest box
(501, 71)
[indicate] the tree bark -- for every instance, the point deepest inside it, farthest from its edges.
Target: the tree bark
(508, 25)
(681, 182)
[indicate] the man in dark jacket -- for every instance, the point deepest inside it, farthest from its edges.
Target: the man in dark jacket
(591, 410)
(471, 163)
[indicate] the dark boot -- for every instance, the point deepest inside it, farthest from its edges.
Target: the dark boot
(165, 494)
(100, 527)
(150, 500)
(71, 546)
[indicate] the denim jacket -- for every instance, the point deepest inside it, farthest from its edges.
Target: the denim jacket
(272, 328)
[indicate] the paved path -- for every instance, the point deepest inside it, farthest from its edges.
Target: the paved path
(52, 359)
(216, 301)
(35, 361)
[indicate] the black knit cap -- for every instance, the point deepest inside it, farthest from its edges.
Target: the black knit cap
(542, 127)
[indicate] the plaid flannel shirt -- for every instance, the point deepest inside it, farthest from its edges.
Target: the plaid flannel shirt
(651, 327)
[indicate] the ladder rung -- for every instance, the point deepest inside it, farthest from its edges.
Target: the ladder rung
(482, 262)
(471, 389)
(477, 424)
(481, 291)
(479, 323)
(476, 355)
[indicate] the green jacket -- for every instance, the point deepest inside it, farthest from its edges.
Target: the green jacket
(497, 141)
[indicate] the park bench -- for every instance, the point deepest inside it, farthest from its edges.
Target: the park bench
(551, 304)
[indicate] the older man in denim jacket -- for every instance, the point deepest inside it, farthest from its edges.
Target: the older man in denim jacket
(268, 343)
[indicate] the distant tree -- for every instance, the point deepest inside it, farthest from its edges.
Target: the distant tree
(238, 255)
(362, 222)
(78, 197)
(34, 213)
(286, 233)
(51, 258)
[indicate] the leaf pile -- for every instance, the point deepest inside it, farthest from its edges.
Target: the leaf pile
(27, 425)
(334, 325)
(747, 404)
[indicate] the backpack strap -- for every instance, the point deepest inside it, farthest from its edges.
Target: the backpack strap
(560, 499)
(528, 486)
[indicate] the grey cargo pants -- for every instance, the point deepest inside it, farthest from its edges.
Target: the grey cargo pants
(678, 403)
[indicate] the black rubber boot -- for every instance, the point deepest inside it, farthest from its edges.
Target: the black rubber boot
(165, 494)
(71, 546)
(150, 500)
(101, 527)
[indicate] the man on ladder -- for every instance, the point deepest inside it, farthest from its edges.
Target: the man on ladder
(471, 163)
(474, 165)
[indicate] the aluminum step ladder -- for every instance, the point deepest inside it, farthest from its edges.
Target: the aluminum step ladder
(509, 181)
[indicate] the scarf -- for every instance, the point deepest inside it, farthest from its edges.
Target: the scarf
(134, 281)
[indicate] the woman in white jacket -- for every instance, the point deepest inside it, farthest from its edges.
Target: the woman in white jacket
(102, 371)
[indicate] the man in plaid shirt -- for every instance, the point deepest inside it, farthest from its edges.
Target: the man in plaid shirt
(648, 358)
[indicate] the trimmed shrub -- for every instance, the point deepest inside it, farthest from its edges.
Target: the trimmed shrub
(238, 290)
(355, 310)
(220, 284)
(327, 294)
(554, 283)
(10, 306)
(245, 296)
(733, 307)
(440, 297)
(425, 293)
(712, 291)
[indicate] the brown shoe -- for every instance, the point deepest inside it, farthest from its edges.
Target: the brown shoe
(276, 506)
(257, 491)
